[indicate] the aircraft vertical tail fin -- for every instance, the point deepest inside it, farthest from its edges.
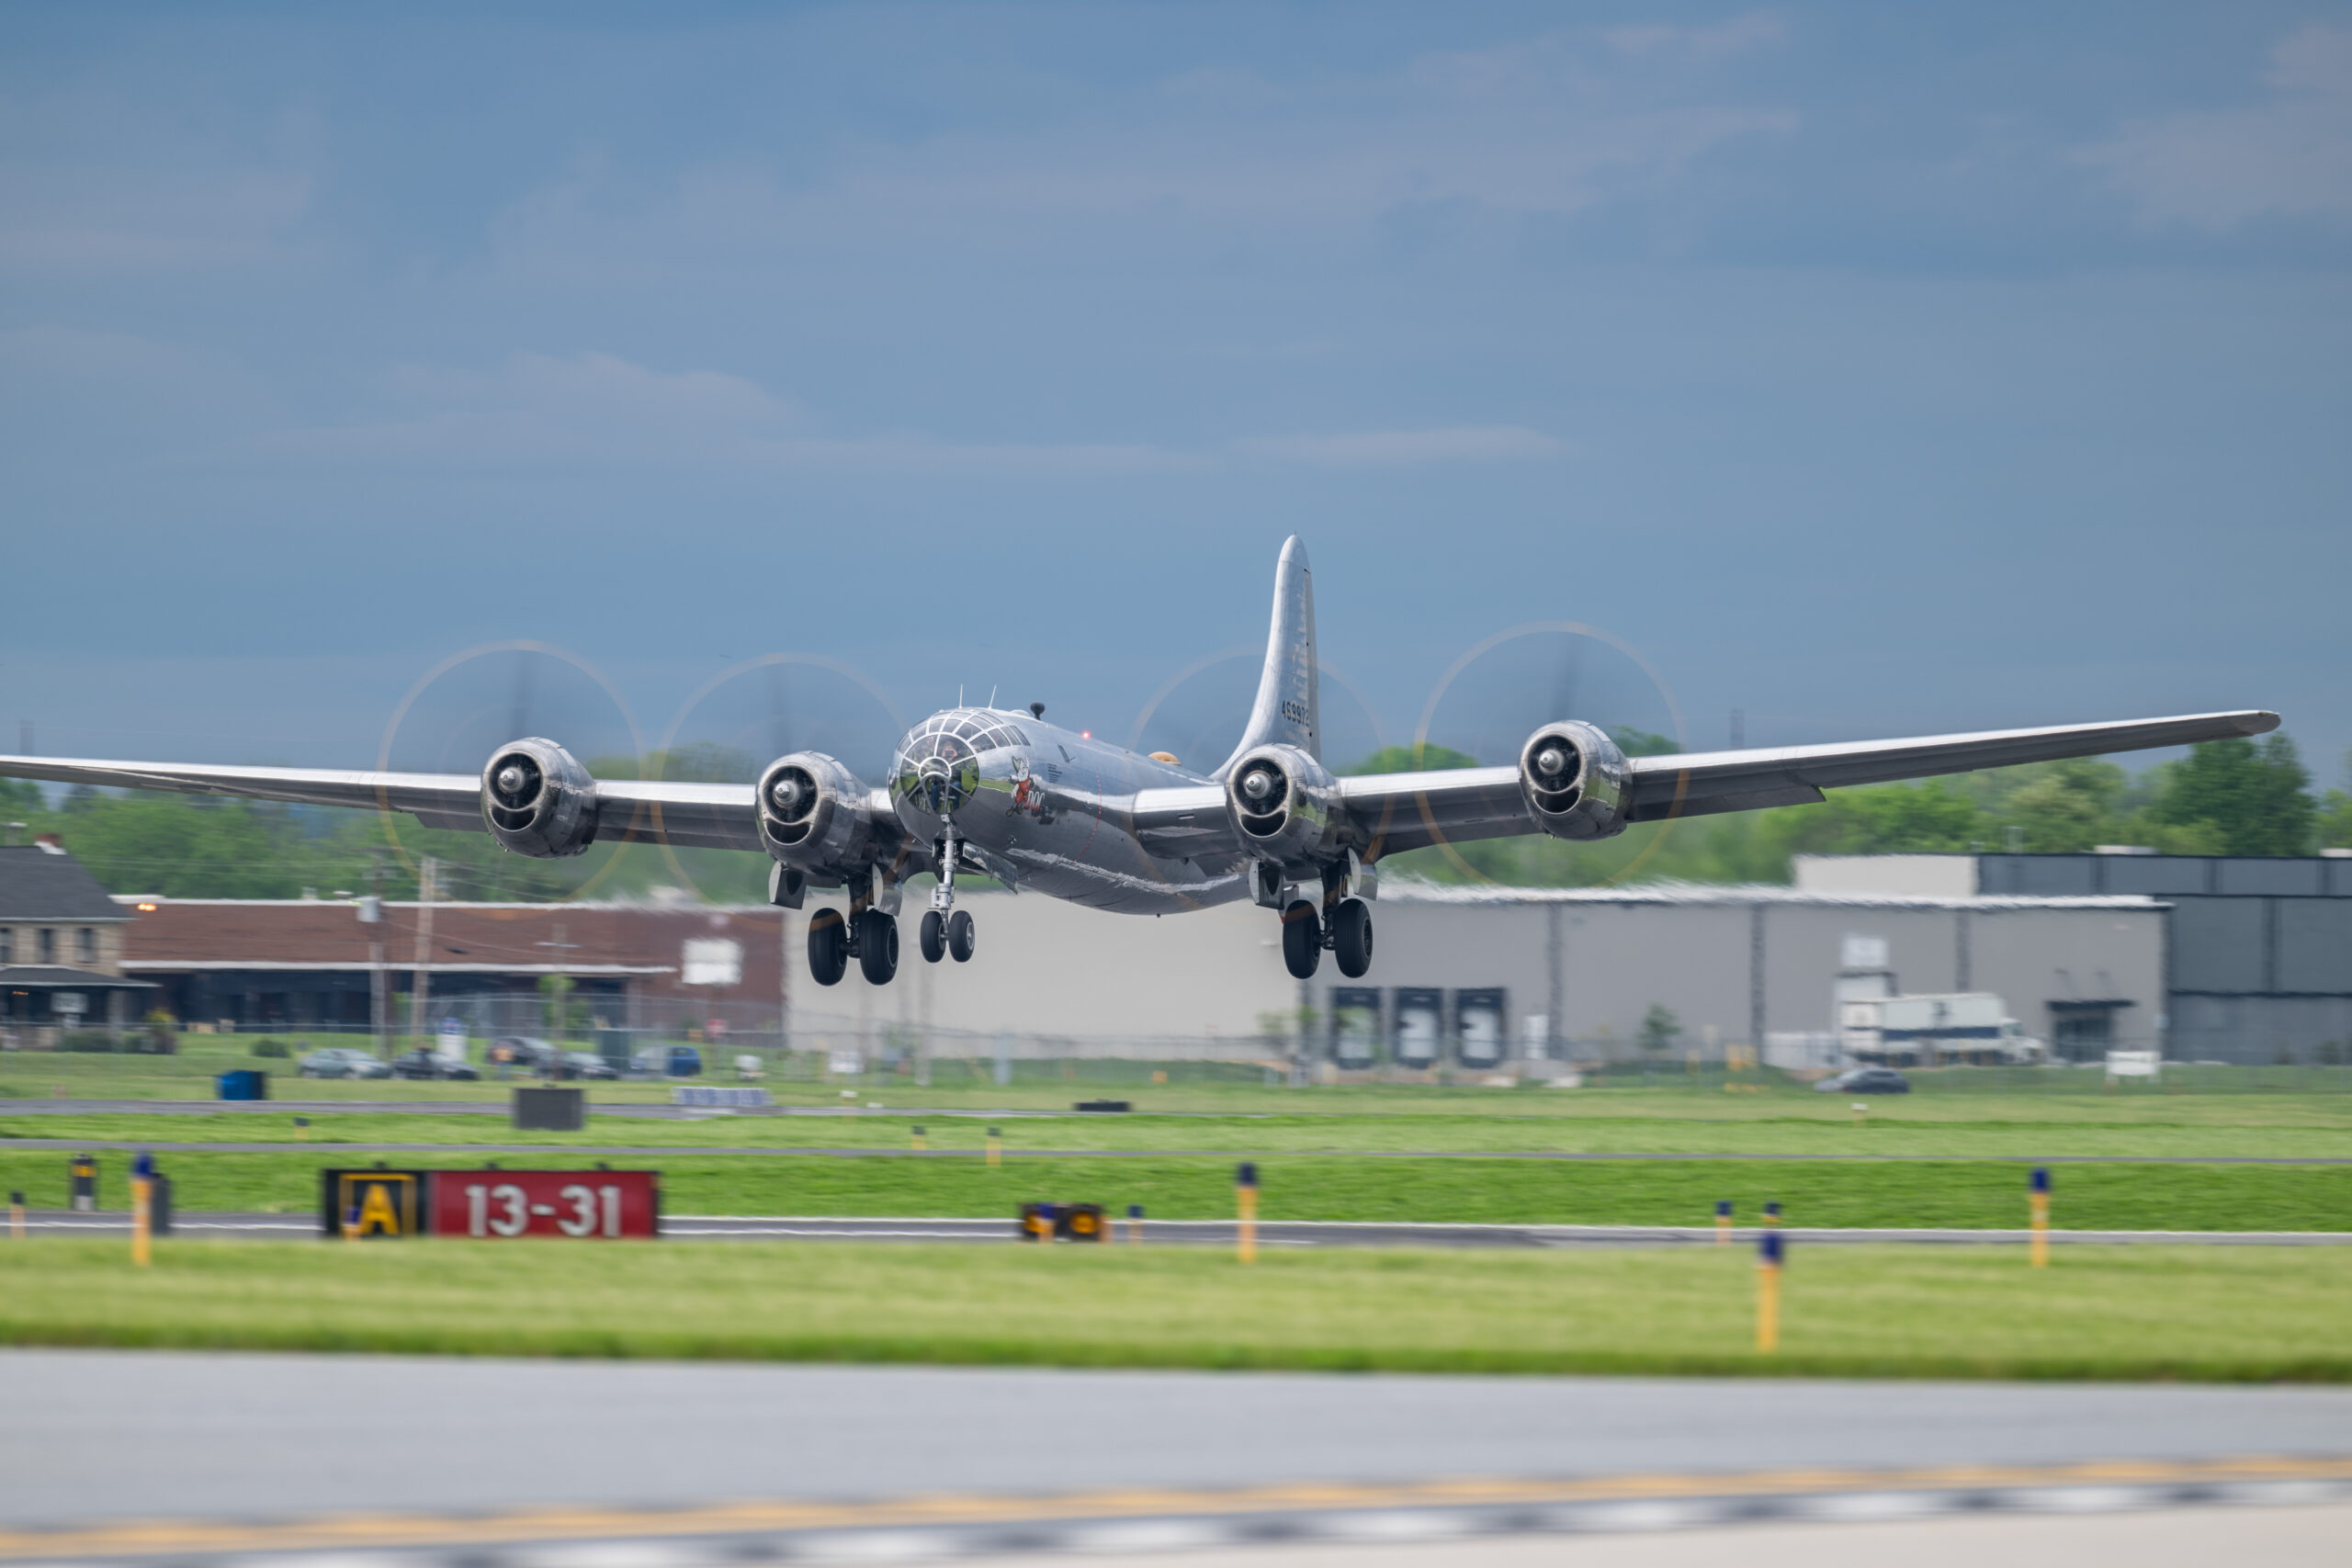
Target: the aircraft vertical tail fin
(1288, 711)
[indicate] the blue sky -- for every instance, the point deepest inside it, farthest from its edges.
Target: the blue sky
(1871, 369)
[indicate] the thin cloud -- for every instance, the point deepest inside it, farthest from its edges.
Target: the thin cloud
(599, 408)
(2290, 156)
(1404, 448)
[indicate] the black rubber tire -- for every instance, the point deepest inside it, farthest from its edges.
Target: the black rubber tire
(1351, 937)
(827, 947)
(934, 944)
(961, 936)
(1302, 939)
(877, 947)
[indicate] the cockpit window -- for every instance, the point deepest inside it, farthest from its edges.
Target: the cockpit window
(979, 730)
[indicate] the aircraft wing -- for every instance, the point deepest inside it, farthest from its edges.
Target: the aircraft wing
(690, 816)
(1404, 811)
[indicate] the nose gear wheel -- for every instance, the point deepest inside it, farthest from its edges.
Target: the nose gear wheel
(960, 935)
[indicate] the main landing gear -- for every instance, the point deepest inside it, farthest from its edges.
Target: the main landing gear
(1348, 933)
(870, 936)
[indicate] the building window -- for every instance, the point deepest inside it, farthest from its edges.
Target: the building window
(85, 946)
(47, 945)
(8, 944)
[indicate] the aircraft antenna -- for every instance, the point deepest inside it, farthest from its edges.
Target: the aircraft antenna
(991, 697)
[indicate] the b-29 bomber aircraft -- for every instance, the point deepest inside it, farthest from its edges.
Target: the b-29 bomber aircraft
(1041, 809)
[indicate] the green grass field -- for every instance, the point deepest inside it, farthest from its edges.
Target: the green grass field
(1966, 1193)
(2236, 1314)
(1604, 1121)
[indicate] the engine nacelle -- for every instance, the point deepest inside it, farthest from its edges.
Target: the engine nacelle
(1285, 806)
(813, 813)
(537, 801)
(1577, 782)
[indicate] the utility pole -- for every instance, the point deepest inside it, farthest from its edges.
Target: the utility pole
(372, 910)
(420, 988)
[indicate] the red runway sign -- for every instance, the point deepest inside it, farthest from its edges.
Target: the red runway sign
(584, 1204)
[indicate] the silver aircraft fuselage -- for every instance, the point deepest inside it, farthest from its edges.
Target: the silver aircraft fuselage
(1053, 810)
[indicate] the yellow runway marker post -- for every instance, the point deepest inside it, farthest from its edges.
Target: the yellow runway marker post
(16, 1215)
(302, 1129)
(920, 1142)
(2039, 1197)
(1244, 1191)
(1767, 1292)
(142, 1209)
(1723, 1222)
(1135, 1225)
(1773, 1216)
(996, 1147)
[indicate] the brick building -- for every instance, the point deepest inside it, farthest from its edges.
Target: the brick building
(302, 964)
(60, 949)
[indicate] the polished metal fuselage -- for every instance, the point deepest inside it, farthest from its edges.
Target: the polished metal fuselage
(1054, 812)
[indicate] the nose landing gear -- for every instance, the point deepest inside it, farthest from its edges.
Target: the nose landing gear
(946, 931)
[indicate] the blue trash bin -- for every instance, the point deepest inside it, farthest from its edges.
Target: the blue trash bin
(245, 1083)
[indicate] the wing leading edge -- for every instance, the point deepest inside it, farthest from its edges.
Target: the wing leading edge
(1403, 811)
(690, 816)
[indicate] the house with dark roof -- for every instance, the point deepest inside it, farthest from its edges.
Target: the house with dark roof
(60, 949)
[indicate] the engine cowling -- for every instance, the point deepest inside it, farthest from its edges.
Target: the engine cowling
(813, 813)
(1577, 782)
(1285, 806)
(537, 801)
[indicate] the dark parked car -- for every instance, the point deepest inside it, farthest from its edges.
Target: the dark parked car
(423, 1064)
(1865, 1080)
(344, 1062)
(586, 1064)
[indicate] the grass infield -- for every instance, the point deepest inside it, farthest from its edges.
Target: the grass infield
(1970, 1194)
(2223, 1314)
(1951, 1126)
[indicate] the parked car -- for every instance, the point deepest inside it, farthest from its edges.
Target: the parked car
(587, 1064)
(344, 1062)
(1865, 1080)
(423, 1064)
(686, 1062)
(523, 1051)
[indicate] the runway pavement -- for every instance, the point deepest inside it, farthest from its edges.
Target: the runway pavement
(488, 1461)
(1221, 1233)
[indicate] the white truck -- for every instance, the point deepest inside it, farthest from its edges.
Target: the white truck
(1954, 1027)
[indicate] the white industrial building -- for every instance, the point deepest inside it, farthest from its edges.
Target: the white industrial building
(1473, 977)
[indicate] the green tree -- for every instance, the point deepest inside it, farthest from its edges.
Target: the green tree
(1416, 759)
(1660, 1029)
(2235, 797)
(2336, 814)
(2064, 808)
(1642, 742)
